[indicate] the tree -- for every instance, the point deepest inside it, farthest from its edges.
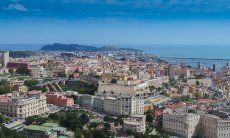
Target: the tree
(129, 132)
(36, 120)
(30, 83)
(4, 87)
(2, 135)
(107, 126)
(94, 125)
(120, 120)
(113, 80)
(11, 71)
(78, 133)
(85, 118)
(23, 71)
(108, 119)
(149, 118)
(3, 119)
(197, 95)
(99, 134)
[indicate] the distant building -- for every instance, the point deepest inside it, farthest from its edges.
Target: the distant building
(5, 58)
(59, 99)
(172, 71)
(123, 105)
(36, 131)
(114, 105)
(214, 127)
(22, 106)
(47, 130)
(181, 124)
(21, 88)
(136, 123)
(216, 67)
(15, 65)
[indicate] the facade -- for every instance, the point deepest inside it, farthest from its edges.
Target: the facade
(91, 102)
(114, 105)
(172, 71)
(59, 99)
(136, 123)
(15, 65)
(34, 131)
(22, 106)
(131, 105)
(46, 130)
(5, 58)
(181, 124)
(111, 105)
(214, 127)
(123, 105)
(22, 88)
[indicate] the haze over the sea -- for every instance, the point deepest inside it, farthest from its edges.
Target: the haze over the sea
(185, 51)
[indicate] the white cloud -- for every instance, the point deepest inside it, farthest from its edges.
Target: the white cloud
(15, 6)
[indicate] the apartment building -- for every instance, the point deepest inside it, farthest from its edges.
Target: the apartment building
(59, 99)
(22, 106)
(136, 123)
(214, 127)
(90, 101)
(123, 105)
(181, 124)
(111, 105)
(114, 105)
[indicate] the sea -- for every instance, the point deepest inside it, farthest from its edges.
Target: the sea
(206, 55)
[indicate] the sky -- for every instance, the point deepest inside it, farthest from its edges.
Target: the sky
(184, 22)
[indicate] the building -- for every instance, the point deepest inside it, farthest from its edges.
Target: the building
(22, 106)
(214, 127)
(15, 65)
(5, 58)
(47, 130)
(216, 67)
(136, 123)
(59, 99)
(131, 105)
(172, 71)
(181, 124)
(111, 105)
(35, 131)
(21, 88)
(123, 105)
(114, 105)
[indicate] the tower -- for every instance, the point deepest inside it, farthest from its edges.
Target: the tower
(5, 58)
(172, 71)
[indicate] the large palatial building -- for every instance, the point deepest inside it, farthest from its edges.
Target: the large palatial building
(123, 105)
(22, 106)
(214, 127)
(181, 124)
(188, 125)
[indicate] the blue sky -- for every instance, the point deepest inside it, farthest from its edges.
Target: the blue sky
(115, 21)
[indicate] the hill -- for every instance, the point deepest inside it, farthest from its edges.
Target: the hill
(68, 47)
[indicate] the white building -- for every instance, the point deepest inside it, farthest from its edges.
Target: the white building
(111, 105)
(123, 105)
(172, 71)
(136, 123)
(181, 124)
(5, 58)
(22, 106)
(214, 127)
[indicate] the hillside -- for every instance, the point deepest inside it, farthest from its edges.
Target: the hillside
(68, 47)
